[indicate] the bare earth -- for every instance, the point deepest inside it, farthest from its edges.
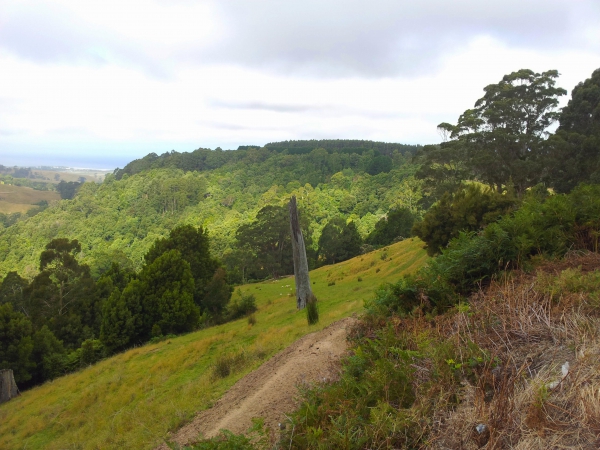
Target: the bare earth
(269, 392)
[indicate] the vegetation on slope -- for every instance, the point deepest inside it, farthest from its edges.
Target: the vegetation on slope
(133, 399)
(121, 218)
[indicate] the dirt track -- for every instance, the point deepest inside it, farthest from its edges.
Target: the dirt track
(269, 392)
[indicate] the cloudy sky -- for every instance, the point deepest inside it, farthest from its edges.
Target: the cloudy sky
(97, 84)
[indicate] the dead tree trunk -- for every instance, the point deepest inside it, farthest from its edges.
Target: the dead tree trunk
(8, 387)
(303, 291)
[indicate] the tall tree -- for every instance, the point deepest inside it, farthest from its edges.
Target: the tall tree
(397, 223)
(574, 151)
(501, 137)
(268, 237)
(193, 246)
(339, 241)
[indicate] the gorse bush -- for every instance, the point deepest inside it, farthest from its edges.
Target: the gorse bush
(544, 225)
(469, 209)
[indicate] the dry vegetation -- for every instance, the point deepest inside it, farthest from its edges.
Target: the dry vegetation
(539, 386)
(20, 199)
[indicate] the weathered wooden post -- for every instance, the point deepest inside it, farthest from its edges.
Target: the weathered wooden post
(8, 387)
(303, 291)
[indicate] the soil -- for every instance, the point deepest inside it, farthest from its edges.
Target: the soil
(271, 390)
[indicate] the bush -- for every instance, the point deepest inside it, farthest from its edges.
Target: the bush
(312, 311)
(469, 209)
(243, 305)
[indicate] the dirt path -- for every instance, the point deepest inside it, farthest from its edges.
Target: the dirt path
(269, 392)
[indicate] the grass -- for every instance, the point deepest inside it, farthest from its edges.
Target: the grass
(514, 367)
(134, 399)
(20, 199)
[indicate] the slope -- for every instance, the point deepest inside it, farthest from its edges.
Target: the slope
(135, 399)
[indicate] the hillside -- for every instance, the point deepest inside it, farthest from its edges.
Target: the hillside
(134, 399)
(119, 219)
(21, 198)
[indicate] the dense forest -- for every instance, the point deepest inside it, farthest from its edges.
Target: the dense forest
(155, 249)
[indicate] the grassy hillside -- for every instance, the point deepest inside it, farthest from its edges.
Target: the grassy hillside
(20, 199)
(134, 399)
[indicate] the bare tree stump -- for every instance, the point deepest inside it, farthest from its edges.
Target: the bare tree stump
(8, 387)
(303, 291)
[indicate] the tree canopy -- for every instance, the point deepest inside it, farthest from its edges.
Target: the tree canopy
(499, 141)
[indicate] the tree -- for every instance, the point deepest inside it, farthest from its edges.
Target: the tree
(339, 241)
(469, 209)
(500, 139)
(168, 294)
(193, 246)
(396, 223)
(574, 151)
(64, 295)
(67, 189)
(16, 344)
(268, 237)
(12, 289)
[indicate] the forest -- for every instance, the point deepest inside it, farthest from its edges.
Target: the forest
(157, 247)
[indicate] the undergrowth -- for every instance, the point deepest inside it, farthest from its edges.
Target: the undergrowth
(428, 382)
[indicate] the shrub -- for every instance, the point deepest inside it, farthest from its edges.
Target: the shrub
(241, 306)
(469, 209)
(312, 311)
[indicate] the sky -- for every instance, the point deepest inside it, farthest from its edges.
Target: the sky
(98, 84)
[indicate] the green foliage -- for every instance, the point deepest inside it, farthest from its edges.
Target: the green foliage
(17, 345)
(339, 241)
(469, 209)
(67, 189)
(243, 304)
(312, 311)
(547, 226)
(396, 224)
(373, 404)
(48, 356)
(574, 151)
(167, 296)
(120, 219)
(256, 438)
(192, 243)
(268, 241)
(500, 141)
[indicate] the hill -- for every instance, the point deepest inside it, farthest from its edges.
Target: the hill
(119, 219)
(134, 399)
(21, 198)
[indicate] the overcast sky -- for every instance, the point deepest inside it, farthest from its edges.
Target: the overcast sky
(97, 84)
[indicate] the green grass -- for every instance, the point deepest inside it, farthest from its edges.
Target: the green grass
(134, 399)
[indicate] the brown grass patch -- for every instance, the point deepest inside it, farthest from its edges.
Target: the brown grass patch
(530, 329)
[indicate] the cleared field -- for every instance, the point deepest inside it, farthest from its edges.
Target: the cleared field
(20, 198)
(56, 176)
(133, 400)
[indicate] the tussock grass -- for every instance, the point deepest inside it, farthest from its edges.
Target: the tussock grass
(134, 399)
(533, 325)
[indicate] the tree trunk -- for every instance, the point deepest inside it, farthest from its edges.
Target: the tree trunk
(303, 291)
(8, 387)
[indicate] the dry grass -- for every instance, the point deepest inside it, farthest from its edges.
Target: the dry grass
(530, 326)
(133, 400)
(20, 199)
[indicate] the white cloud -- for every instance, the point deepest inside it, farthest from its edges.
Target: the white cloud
(117, 80)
